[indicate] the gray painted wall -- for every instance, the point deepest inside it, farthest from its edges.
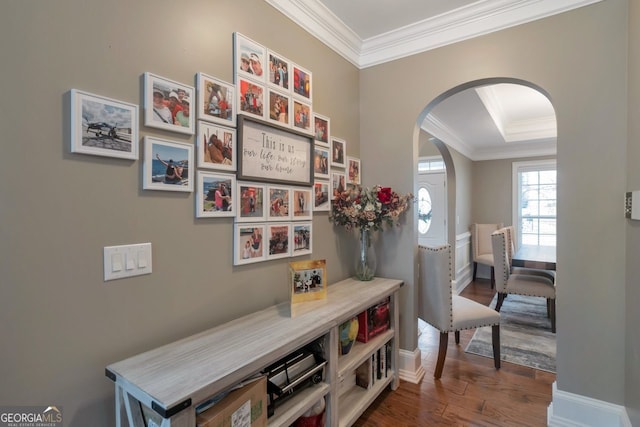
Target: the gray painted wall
(573, 57)
(60, 323)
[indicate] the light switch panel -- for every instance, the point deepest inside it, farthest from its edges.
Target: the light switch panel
(126, 261)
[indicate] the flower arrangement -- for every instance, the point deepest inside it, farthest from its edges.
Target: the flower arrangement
(368, 208)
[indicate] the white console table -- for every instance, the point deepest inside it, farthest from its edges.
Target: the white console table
(173, 379)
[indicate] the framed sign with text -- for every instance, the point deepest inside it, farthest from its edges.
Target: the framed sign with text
(269, 153)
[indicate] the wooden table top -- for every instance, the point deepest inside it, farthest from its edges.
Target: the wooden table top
(532, 256)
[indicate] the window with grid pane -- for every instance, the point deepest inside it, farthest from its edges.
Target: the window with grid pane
(535, 188)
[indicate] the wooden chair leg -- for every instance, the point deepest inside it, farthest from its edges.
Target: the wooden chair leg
(493, 278)
(501, 297)
(552, 314)
(495, 339)
(549, 308)
(475, 269)
(457, 335)
(442, 353)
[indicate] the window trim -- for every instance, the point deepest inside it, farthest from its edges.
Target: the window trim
(516, 168)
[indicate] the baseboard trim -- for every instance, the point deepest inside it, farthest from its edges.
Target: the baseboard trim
(410, 366)
(573, 410)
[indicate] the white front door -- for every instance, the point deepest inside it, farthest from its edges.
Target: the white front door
(432, 209)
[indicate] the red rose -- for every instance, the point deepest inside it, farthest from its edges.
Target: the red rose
(384, 195)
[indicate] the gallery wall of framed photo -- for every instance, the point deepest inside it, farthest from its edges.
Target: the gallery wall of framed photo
(257, 150)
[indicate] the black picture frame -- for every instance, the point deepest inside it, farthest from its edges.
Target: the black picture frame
(273, 154)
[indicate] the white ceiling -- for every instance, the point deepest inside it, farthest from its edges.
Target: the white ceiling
(499, 121)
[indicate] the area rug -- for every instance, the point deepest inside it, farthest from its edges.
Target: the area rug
(525, 334)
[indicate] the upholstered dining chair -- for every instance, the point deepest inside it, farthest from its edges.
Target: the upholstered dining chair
(520, 284)
(481, 247)
(446, 312)
(511, 249)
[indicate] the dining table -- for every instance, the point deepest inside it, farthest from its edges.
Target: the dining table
(535, 256)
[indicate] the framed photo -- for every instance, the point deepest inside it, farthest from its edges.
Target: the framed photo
(302, 82)
(320, 162)
(215, 195)
(302, 203)
(338, 152)
(338, 184)
(216, 147)
(321, 129)
(249, 58)
(279, 70)
(302, 116)
(271, 153)
(307, 281)
(248, 243)
(301, 236)
(279, 240)
(250, 202)
(279, 203)
(321, 196)
(353, 169)
(168, 165)
(216, 100)
(102, 126)
(279, 106)
(167, 104)
(250, 98)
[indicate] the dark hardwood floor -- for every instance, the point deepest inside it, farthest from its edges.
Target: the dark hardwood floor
(471, 391)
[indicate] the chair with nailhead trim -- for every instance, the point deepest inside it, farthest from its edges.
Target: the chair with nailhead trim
(520, 284)
(481, 252)
(439, 307)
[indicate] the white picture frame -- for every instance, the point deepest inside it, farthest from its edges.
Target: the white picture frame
(250, 202)
(216, 146)
(159, 156)
(102, 126)
(321, 162)
(278, 203)
(158, 112)
(321, 196)
(354, 171)
(215, 195)
(302, 238)
(251, 53)
(338, 153)
(249, 243)
(301, 204)
(216, 100)
(278, 240)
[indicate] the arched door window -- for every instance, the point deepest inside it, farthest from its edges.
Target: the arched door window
(424, 210)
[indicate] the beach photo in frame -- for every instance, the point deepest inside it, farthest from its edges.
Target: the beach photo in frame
(279, 70)
(302, 118)
(216, 100)
(279, 240)
(353, 170)
(168, 165)
(248, 243)
(321, 129)
(250, 98)
(279, 106)
(301, 236)
(301, 204)
(320, 161)
(302, 84)
(338, 184)
(251, 205)
(274, 154)
(249, 58)
(215, 194)
(278, 203)
(338, 153)
(168, 104)
(216, 147)
(102, 126)
(321, 196)
(307, 282)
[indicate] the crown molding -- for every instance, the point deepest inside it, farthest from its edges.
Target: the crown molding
(435, 127)
(479, 18)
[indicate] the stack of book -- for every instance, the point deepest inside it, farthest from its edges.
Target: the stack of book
(376, 367)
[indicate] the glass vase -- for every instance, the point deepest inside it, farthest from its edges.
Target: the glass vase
(366, 262)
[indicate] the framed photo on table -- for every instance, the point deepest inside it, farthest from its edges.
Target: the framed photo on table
(168, 165)
(167, 104)
(103, 127)
(307, 281)
(274, 154)
(215, 195)
(216, 100)
(216, 147)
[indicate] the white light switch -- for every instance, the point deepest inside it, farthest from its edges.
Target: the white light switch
(127, 260)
